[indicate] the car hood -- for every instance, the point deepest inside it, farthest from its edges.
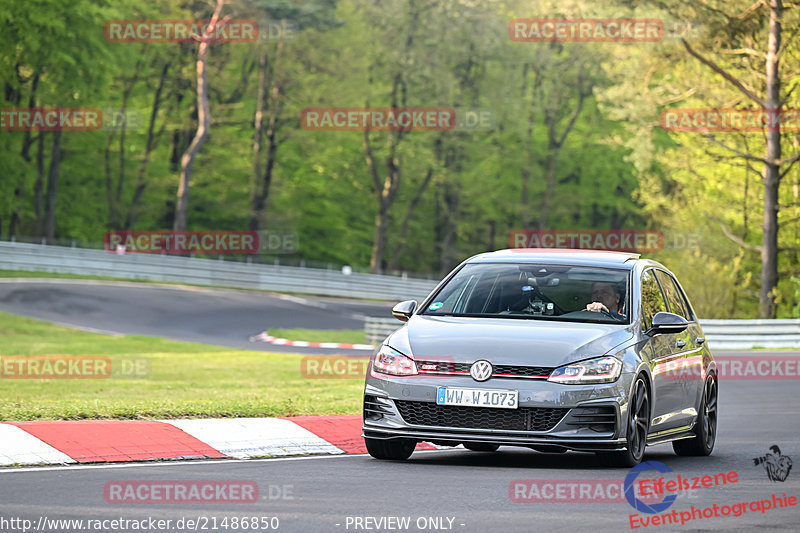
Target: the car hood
(507, 341)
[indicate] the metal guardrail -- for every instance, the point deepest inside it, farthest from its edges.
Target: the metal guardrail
(758, 333)
(377, 329)
(720, 334)
(151, 267)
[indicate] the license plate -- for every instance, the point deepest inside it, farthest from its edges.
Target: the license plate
(502, 399)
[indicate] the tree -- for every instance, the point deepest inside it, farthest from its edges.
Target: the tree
(273, 77)
(203, 123)
(772, 103)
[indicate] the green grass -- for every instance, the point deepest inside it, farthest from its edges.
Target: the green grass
(346, 336)
(182, 380)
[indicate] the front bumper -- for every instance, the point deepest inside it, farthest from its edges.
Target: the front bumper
(576, 417)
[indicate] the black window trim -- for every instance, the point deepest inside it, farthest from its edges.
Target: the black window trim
(677, 285)
(664, 292)
(641, 296)
(682, 293)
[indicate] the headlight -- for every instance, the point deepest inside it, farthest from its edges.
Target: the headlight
(390, 361)
(601, 370)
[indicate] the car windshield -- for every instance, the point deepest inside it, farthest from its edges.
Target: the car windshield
(533, 291)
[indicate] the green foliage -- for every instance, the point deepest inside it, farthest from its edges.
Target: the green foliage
(616, 169)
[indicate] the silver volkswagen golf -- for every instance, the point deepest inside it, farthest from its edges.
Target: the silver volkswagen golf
(554, 350)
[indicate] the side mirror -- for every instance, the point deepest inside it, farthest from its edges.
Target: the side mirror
(404, 310)
(667, 323)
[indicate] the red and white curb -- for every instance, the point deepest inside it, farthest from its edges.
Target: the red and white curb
(266, 337)
(101, 441)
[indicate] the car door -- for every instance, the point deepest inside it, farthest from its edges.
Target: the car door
(685, 368)
(667, 392)
(697, 354)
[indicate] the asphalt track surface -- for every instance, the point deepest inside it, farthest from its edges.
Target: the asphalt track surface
(472, 488)
(222, 317)
(350, 493)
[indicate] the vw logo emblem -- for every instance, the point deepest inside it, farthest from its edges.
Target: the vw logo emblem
(481, 370)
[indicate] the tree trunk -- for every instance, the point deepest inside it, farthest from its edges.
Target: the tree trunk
(555, 142)
(769, 248)
(401, 240)
(491, 234)
(448, 229)
(38, 185)
(114, 193)
(263, 181)
(112, 211)
(52, 187)
(379, 239)
(525, 210)
(258, 142)
(272, 147)
(19, 197)
(386, 188)
(550, 187)
(203, 122)
(27, 142)
(150, 144)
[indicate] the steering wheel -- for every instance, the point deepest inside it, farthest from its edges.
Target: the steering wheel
(609, 315)
(606, 313)
(535, 291)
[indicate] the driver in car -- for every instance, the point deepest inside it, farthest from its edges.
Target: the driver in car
(606, 297)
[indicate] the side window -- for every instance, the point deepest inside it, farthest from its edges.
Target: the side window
(452, 297)
(689, 312)
(652, 300)
(674, 298)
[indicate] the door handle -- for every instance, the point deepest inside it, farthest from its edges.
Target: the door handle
(699, 340)
(680, 344)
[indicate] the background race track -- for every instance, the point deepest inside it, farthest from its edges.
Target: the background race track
(223, 317)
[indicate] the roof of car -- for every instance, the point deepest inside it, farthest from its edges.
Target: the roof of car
(558, 255)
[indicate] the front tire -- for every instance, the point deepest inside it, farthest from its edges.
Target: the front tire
(390, 449)
(637, 430)
(705, 431)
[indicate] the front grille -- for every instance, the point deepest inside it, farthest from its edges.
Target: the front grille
(499, 370)
(602, 418)
(528, 371)
(443, 366)
(522, 419)
(374, 408)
